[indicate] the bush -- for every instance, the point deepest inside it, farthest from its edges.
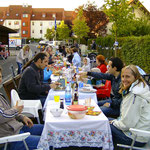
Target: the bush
(132, 50)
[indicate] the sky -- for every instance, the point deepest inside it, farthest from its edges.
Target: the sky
(66, 4)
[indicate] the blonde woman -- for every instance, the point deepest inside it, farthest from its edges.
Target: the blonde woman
(24, 55)
(135, 108)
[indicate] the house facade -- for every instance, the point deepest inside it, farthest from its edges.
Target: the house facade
(32, 22)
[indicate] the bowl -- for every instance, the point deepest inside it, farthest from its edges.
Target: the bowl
(56, 112)
(76, 111)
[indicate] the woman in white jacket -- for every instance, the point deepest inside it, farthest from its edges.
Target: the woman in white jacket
(24, 55)
(135, 108)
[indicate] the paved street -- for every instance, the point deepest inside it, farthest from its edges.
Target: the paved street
(11, 60)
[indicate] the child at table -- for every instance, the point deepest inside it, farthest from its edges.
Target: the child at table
(86, 67)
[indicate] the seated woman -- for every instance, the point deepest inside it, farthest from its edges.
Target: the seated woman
(102, 64)
(135, 108)
(13, 122)
(86, 67)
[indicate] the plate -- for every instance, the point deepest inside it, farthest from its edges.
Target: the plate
(60, 89)
(88, 90)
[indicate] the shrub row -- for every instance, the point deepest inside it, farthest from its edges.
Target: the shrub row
(132, 50)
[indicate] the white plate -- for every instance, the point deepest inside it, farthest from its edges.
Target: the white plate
(88, 90)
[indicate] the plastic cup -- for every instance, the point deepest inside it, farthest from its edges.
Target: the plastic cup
(20, 103)
(56, 98)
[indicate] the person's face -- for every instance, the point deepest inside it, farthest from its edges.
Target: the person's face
(0, 77)
(127, 78)
(43, 63)
(110, 69)
(97, 62)
(85, 61)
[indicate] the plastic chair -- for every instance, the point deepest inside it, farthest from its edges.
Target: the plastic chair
(104, 91)
(15, 138)
(136, 133)
(31, 107)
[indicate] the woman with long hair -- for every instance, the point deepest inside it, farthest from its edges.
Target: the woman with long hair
(24, 55)
(135, 108)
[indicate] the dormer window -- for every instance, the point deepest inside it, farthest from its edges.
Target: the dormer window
(43, 15)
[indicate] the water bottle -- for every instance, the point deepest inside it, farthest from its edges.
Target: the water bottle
(68, 94)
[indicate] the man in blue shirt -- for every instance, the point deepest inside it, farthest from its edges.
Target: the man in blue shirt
(76, 58)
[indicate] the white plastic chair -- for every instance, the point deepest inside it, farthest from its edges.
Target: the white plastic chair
(30, 106)
(136, 133)
(15, 138)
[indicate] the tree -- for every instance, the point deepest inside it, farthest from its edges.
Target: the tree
(63, 31)
(95, 19)
(50, 33)
(80, 27)
(120, 14)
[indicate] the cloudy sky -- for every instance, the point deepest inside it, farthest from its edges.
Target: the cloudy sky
(66, 4)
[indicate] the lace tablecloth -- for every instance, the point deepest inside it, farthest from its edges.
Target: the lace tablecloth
(91, 131)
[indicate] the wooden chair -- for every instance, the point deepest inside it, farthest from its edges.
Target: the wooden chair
(11, 84)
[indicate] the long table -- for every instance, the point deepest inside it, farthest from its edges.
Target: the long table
(90, 131)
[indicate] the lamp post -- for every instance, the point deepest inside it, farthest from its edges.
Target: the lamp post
(54, 16)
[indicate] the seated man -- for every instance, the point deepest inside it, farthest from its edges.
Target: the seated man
(110, 107)
(31, 83)
(11, 123)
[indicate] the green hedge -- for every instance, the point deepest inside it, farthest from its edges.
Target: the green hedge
(132, 50)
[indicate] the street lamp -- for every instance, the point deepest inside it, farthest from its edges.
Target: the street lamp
(54, 16)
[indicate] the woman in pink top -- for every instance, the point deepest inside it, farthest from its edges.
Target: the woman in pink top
(102, 64)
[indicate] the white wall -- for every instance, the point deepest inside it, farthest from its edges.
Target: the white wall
(45, 25)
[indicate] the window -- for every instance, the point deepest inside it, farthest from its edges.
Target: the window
(17, 14)
(16, 23)
(41, 24)
(44, 15)
(33, 15)
(25, 32)
(7, 14)
(33, 23)
(32, 31)
(24, 24)
(25, 15)
(40, 31)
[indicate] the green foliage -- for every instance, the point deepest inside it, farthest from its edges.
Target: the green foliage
(80, 27)
(63, 31)
(120, 14)
(132, 50)
(50, 34)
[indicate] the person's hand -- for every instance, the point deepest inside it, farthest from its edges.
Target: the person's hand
(54, 85)
(28, 121)
(107, 105)
(83, 75)
(19, 108)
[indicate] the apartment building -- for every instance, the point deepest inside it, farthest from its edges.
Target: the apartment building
(32, 22)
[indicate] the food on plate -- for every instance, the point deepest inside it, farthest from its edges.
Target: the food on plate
(93, 113)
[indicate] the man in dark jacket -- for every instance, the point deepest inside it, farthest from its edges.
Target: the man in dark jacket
(31, 83)
(110, 107)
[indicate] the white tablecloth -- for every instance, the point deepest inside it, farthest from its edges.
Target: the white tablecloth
(91, 131)
(52, 93)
